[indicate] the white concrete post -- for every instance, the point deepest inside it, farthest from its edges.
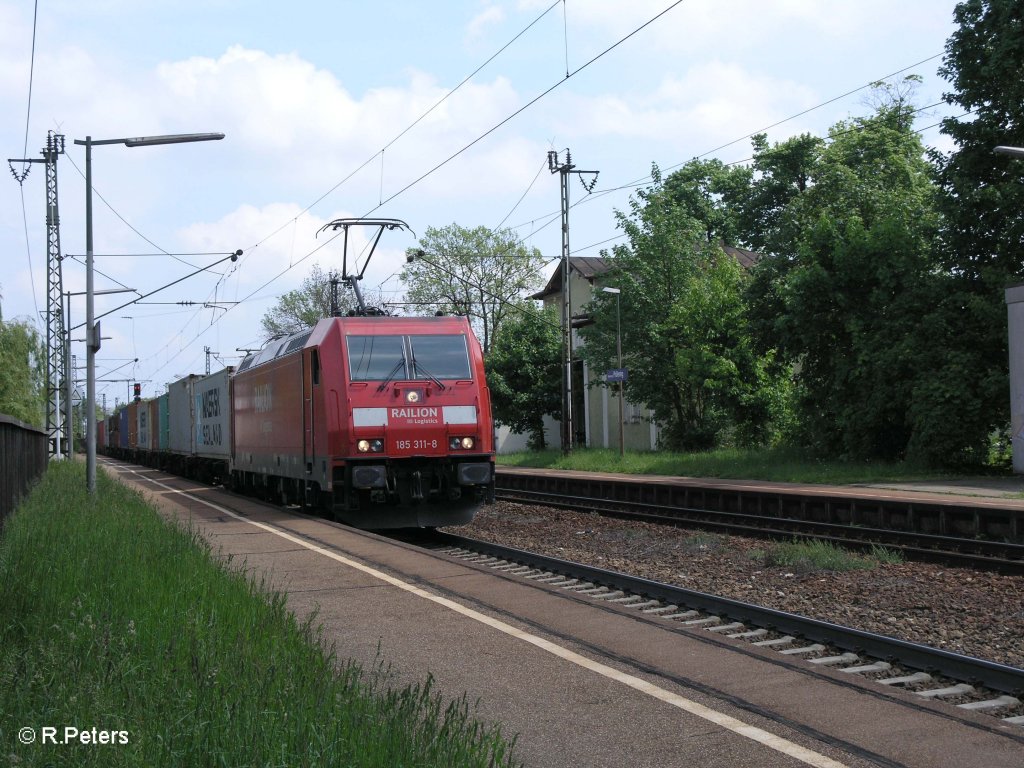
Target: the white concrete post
(1015, 319)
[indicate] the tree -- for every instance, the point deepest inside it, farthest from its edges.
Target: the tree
(983, 193)
(848, 291)
(302, 308)
(707, 190)
(22, 372)
(683, 335)
(475, 272)
(982, 237)
(780, 174)
(524, 372)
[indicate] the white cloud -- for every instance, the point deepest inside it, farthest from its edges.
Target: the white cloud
(691, 112)
(478, 25)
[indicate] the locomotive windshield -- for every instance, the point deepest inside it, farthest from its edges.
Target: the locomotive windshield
(385, 358)
(374, 358)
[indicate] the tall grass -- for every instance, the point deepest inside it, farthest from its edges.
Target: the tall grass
(776, 464)
(809, 556)
(111, 618)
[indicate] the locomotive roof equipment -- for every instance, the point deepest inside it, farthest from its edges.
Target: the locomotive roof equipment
(353, 279)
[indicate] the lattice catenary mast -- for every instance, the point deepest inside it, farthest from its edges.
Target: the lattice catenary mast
(57, 422)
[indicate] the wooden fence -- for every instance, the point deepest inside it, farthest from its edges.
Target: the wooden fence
(23, 458)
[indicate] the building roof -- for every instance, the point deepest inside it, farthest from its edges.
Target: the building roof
(590, 267)
(747, 259)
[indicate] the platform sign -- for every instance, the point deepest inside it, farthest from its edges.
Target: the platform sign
(617, 374)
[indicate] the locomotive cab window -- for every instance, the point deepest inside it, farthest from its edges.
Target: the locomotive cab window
(387, 358)
(444, 357)
(375, 358)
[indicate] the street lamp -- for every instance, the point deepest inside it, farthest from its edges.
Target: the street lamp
(1014, 151)
(92, 340)
(618, 349)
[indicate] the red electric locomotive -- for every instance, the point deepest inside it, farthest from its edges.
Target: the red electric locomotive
(383, 422)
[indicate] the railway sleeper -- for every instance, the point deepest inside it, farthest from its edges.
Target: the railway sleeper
(1002, 702)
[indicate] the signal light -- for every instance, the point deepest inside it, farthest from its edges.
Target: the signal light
(137, 391)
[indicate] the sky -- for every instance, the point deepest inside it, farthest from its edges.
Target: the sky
(432, 113)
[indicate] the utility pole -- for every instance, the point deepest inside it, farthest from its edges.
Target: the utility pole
(564, 170)
(57, 427)
(208, 354)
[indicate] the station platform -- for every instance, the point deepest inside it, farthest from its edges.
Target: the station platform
(579, 683)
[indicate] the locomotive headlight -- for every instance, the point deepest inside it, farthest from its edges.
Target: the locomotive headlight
(460, 443)
(467, 443)
(370, 446)
(363, 446)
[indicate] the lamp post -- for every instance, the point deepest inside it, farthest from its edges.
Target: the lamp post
(1014, 151)
(92, 336)
(618, 349)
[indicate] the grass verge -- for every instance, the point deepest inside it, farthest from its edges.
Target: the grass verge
(813, 556)
(114, 620)
(776, 464)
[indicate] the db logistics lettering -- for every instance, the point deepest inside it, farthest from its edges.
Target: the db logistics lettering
(414, 413)
(263, 398)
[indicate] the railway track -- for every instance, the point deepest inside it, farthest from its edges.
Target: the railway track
(963, 682)
(1003, 556)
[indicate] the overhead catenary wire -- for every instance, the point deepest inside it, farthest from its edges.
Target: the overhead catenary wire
(408, 128)
(370, 159)
(482, 136)
(645, 179)
(20, 178)
(555, 215)
(251, 295)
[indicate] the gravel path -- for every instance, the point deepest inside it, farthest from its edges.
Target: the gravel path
(975, 613)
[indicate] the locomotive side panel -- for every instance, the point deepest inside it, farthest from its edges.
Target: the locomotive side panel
(268, 426)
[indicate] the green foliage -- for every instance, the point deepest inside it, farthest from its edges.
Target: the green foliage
(783, 464)
(982, 237)
(886, 556)
(302, 308)
(111, 618)
(684, 336)
(708, 191)
(22, 372)
(845, 301)
(481, 273)
(524, 372)
(811, 556)
(780, 174)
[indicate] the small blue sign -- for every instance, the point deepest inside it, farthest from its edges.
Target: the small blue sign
(617, 374)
